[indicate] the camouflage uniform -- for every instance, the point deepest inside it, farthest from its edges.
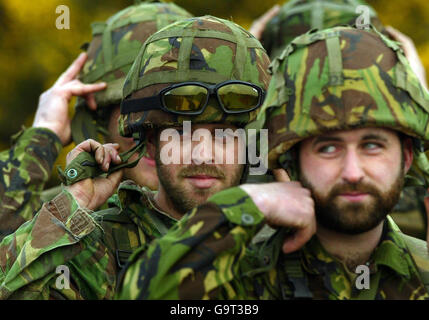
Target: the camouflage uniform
(324, 81)
(296, 17)
(24, 170)
(27, 166)
(94, 245)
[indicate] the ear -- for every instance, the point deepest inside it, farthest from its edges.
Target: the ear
(407, 152)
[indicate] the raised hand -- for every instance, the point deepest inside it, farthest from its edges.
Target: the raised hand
(52, 111)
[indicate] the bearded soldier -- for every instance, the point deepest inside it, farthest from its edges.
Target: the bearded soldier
(205, 70)
(348, 120)
(282, 24)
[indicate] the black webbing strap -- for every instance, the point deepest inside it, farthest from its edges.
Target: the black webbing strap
(142, 104)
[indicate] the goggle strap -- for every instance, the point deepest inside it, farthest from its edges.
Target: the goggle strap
(142, 104)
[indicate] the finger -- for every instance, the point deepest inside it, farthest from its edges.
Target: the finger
(406, 42)
(281, 175)
(110, 155)
(99, 156)
(115, 156)
(298, 239)
(85, 146)
(115, 178)
(270, 14)
(258, 26)
(426, 202)
(396, 34)
(78, 88)
(90, 101)
(74, 69)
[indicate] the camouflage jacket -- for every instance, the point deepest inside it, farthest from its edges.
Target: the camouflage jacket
(92, 245)
(207, 256)
(24, 170)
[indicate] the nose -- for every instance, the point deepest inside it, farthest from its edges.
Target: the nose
(352, 170)
(202, 147)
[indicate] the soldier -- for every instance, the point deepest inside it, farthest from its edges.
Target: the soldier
(347, 119)
(27, 166)
(207, 60)
(282, 24)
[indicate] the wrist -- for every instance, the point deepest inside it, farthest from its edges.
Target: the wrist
(80, 197)
(257, 197)
(59, 132)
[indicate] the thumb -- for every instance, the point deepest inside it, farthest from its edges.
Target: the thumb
(281, 175)
(115, 178)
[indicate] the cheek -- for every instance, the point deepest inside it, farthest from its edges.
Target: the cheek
(321, 173)
(230, 153)
(384, 171)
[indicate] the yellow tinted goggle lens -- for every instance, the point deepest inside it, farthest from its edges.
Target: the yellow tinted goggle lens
(237, 96)
(186, 98)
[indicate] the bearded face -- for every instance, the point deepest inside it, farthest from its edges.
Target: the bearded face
(189, 185)
(355, 176)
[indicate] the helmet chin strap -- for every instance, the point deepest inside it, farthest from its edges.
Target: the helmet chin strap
(84, 165)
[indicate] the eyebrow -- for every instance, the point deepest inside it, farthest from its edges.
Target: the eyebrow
(373, 136)
(370, 136)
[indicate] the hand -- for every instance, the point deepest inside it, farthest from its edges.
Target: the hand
(286, 204)
(258, 26)
(52, 111)
(410, 52)
(280, 175)
(92, 193)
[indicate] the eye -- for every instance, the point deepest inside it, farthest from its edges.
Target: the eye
(328, 149)
(372, 146)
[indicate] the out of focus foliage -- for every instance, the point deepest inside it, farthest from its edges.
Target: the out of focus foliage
(33, 52)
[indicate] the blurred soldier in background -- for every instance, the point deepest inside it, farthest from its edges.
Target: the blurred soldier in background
(280, 25)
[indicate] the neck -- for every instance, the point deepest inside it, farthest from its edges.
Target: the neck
(164, 203)
(352, 250)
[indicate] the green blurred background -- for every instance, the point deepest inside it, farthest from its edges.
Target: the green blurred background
(33, 52)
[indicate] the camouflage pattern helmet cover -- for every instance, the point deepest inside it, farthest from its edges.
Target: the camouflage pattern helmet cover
(204, 49)
(339, 79)
(114, 46)
(297, 17)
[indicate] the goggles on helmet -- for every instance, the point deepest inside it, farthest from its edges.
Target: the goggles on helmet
(191, 98)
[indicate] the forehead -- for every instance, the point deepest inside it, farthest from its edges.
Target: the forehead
(355, 135)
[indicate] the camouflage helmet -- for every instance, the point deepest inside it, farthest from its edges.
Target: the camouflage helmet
(204, 49)
(297, 17)
(114, 46)
(339, 79)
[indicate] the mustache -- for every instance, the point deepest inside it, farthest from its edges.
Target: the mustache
(354, 187)
(202, 169)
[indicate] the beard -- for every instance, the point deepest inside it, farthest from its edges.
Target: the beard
(184, 199)
(354, 218)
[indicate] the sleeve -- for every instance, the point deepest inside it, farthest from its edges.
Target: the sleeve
(24, 170)
(60, 235)
(200, 256)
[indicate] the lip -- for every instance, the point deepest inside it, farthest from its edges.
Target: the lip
(202, 181)
(149, 161)
(354, 196)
